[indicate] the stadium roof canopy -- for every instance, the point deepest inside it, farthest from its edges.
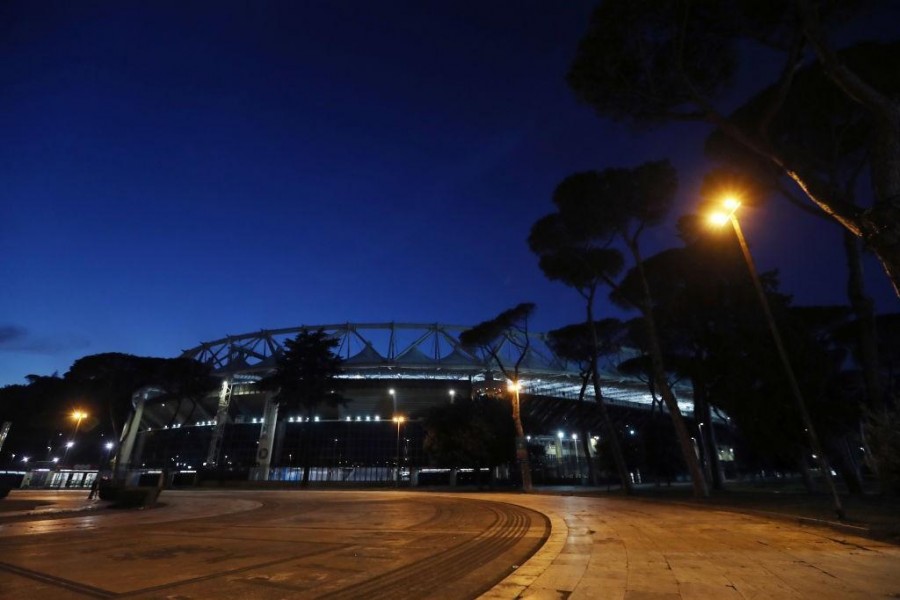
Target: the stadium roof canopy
(427, 351)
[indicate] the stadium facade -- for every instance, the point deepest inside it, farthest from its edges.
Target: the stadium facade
(390, 370)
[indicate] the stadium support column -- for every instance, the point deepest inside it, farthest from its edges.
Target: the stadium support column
(215, 444)
(126, 445)
(266, 439)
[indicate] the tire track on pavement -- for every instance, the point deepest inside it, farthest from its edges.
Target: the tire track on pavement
(428, 575)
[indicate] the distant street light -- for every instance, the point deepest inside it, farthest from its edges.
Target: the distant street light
(393, 394)
(720, 218)
(108, 446)
(69, 445)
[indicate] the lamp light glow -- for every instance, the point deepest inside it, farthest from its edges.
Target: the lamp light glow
(718, 218)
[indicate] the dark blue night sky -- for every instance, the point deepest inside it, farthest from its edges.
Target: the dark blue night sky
(175, 172)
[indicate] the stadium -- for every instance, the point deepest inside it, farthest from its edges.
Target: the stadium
(392, 374)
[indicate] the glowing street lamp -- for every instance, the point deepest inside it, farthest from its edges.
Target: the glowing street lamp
(721, 218)
(78, 416)
(398, 420)
(393, 394)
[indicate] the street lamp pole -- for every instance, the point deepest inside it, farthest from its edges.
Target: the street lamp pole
(78, 415)
(577, 463)
(109, 447)
(560, 470)
(810, 431)
(69, 445)
(707, 453)
(398, 420)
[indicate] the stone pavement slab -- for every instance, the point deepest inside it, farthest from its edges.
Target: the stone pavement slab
(625, 549)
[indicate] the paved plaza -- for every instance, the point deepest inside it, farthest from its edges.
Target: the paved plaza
(395, 544)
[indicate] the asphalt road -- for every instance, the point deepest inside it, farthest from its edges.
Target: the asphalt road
(307, 544)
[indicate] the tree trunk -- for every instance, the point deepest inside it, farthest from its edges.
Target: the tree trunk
(586, 449)
(306, 455)
(718, 469)
(585, 442)
(614, 446)
(864, 309)
(808, 482)
(700, 420)
(655, 414)
(880, 224)
(521, 442)
(849, 468)
(662, 384)
(706, 430)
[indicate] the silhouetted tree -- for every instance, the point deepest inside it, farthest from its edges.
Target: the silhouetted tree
(511, 327)
(101, 385)
(828, 136)
(885, 432)
(110, 379)
(577, 255)
(305, 378)
(660, 61)
(697, 293)
(618, 205)
(583, 344)
(470, 433)
(38, 413)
